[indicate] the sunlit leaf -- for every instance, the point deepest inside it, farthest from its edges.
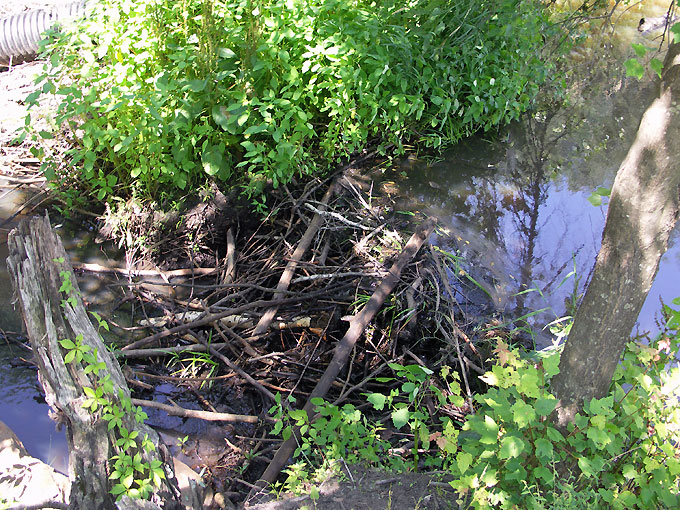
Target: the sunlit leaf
(634, 68)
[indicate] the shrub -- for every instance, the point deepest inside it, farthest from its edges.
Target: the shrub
(621, 452)
(159, 95)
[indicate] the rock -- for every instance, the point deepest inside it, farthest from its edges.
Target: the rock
(25, 480)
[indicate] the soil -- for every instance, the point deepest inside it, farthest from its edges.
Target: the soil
(366, 489)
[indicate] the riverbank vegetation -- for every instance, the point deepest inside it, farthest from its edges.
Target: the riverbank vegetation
(158, 97)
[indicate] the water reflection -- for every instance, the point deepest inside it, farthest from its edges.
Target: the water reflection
(517, 208)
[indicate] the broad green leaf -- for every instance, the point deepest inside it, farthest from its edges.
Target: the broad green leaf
(639, 49)
(226, 53)
(545, 405)
(555, 435)
(488, 429)
(595, 199)
(378, 400)
(657, 66)
(197, 85)
(212, 160)
(463, 460)
(586, 467)
(511, 446)
(544, 448)
(634, 68)
(400, 417)
(522, 414)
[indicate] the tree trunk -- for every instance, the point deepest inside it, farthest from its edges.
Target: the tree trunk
(38, 265)
(643, 210)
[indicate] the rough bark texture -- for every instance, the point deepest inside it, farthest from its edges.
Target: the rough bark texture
(643, 210)
(34, 250)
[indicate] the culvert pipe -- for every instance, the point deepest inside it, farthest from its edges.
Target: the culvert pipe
(21, 33)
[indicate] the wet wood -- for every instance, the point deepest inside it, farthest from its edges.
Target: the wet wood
(342, 351)
(38, 265)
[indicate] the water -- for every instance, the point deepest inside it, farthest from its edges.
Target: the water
(515, 204)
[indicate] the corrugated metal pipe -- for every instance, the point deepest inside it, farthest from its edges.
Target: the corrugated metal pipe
(21, 33)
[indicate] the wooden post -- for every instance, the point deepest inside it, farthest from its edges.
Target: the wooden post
(38, 265)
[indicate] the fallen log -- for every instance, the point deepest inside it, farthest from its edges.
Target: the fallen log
(342, 351)
(49, 298)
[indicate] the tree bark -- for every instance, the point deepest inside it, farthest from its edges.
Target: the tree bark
(36, 263)
(643, 210)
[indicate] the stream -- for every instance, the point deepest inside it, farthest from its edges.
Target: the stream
(514, 207)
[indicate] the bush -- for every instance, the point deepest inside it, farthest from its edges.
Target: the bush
(160, 95)
(621, 452)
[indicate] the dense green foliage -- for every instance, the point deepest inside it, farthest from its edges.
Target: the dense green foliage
(130, 474)
(159, 95)
(621, 452)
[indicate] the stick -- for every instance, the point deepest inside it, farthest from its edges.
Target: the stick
(165, 351)
(176, 410)
(357, 325)
(209, 318)
(97, 268)
(287, 274)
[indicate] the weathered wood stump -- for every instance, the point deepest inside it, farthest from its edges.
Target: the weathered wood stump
(38, 267)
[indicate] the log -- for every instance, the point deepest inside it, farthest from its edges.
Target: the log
(38, 266)
(342, 351)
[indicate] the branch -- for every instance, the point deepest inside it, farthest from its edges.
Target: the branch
(342, 351)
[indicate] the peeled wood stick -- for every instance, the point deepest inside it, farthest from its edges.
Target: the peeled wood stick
(209, 318)
(193, 413)
(97, 268)
(164, 351)
(287, 275)
(342, 351)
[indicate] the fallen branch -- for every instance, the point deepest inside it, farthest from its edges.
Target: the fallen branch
(97, 268)
(175, 410)
(342, 351)
(209, 318)
(287, 274)
(165, 351)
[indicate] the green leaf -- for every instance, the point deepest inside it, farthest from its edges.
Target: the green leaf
(511, 446)
(522, 414)
(66, 343)
(634, 68)
(463, 460)
(400, 417)
(197, 85)
(544, 448)
(675, 30)
(488, 430)
(639, 49)
(657, 66)
(551, 364)
(378, 400)
(545, 405)
(212, 160)
(595, 199)
(226, 53)
(586, 467)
